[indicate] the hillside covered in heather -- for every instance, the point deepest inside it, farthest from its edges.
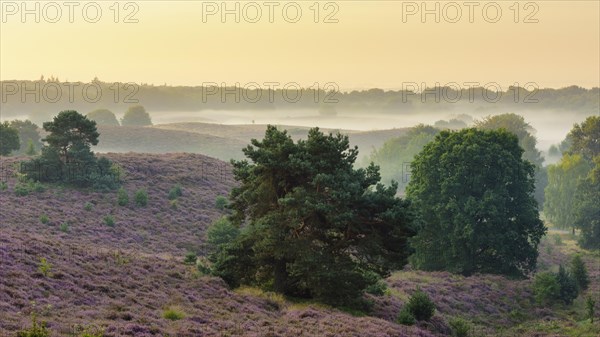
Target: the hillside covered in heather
(124, 278)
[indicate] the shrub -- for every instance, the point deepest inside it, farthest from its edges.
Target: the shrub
(122, 197)
(190, 258)
(88, 206)
(557, 240)
(141, 197)
(377, 286)
(64, 227)
(44, 219)
(36, 330)
(173, 204)
(109, 220)
(568, 286)
(175, 192)
(173, 314)
(589, 305)
(3, 185)
(579, 272)
(21, 190)
(44, 267)
(460, 327)
(221, 202)
(203, 265)
(405, 317)
(421, 306)
(546, 288)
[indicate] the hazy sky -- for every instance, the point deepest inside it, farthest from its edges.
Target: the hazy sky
(373, 44)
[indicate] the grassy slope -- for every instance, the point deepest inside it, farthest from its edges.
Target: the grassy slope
(123, 278)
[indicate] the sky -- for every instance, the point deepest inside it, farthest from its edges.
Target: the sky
(353, 44)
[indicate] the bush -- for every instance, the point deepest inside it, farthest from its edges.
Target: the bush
(141, 197)
(589, 305)
(173, 314)
(558, 240)
(122, 197)
(579, 272)
(64, 227)
(44, 267)
(420, 306)
(173, 204)
(568, 286)
(460, 327)
(88, 206)
(109, 220)
(21, 190)
(377, 286)
(546, 288)
(3, 185)
(221, 202)
(36, 330)
(175, 192)
(190, 258)
(44, 219)
(405, 317)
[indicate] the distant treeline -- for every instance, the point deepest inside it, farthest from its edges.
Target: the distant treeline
(42, 97)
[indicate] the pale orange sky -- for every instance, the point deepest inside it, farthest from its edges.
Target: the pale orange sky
(370, 46)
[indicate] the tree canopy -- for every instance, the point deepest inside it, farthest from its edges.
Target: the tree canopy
(9, 139)
(28, 134)
(69, 128)
(396, 154)
(103, 117)
(473, 193)
(136, 116)
(310, 224)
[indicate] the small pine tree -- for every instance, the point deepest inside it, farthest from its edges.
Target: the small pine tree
(122, 197)
(579, 272)
(30, 148)
(421, 306)
(546, 288)
(141, 197)
(589, 305)
(568, 286)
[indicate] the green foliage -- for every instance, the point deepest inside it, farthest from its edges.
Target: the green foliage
(175, 192)
(546, 288)
(44, 219)
(136, 116)
(568, 286)
(585, 138)
(30, 148)
(103, 117)
(44, 267)
(590, 308)
(122, 197)
(24, 188)
(88, 206)
(314, 226)
(141, 197)
(563, 177)
(460, 327)
(68, 157)
(587, 212)
(9, 139)
(405, 317)
(579, 272)
(36, 330)
(173, 314)
(190, 258)
(109, 220)
(473, 193)
(395, 155)
(64, 227)
(3, 186)
(516, 125)
(221, 202)
(420, 306)
(29, 136)
(558, 240)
